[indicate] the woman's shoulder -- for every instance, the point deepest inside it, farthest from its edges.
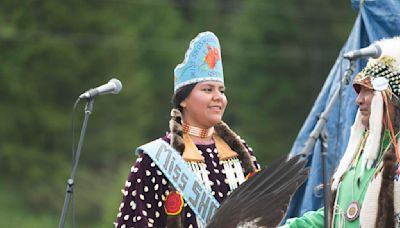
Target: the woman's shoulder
(139, 150)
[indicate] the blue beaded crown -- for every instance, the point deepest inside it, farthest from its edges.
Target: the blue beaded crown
(202, 62)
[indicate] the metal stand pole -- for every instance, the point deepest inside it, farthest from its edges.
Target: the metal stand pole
(314, 135)
(325, 179)
(70, 181)
(318, 133)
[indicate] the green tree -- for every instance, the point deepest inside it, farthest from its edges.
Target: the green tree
(277, 55)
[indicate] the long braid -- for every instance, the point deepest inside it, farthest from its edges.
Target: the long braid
(386, 194)
(233, 140)
(175, 126)
(385, 214)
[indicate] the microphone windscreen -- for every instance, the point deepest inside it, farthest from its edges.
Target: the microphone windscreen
(118, 85)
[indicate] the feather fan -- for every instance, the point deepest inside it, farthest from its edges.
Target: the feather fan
(262, 201)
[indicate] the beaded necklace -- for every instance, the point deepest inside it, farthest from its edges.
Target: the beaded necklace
(353, 209)
(196, 131)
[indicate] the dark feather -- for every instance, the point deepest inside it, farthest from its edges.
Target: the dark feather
(263, 200)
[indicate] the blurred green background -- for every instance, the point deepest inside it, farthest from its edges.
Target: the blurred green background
(276, 56)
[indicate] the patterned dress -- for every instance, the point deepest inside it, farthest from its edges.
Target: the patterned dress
(146, 189)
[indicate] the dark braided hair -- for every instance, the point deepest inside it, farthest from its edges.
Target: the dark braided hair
(175, 124)
(385, 200)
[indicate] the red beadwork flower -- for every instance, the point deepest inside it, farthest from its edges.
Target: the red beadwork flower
(173, 203)
(212, 56)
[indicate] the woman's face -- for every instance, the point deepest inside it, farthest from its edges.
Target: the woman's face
(205, 105)
(364, 99)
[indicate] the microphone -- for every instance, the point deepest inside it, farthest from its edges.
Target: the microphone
(373, 50)
(113, 86)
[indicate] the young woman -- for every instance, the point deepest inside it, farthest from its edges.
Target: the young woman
(212, 151)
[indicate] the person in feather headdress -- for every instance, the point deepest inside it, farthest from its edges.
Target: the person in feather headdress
(365, 186)
(213, 152)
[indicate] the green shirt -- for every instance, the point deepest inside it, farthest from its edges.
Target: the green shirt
(352, 188)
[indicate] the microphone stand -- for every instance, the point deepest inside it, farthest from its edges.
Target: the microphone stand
(317, 131)
(70, 181)
(325, 179)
